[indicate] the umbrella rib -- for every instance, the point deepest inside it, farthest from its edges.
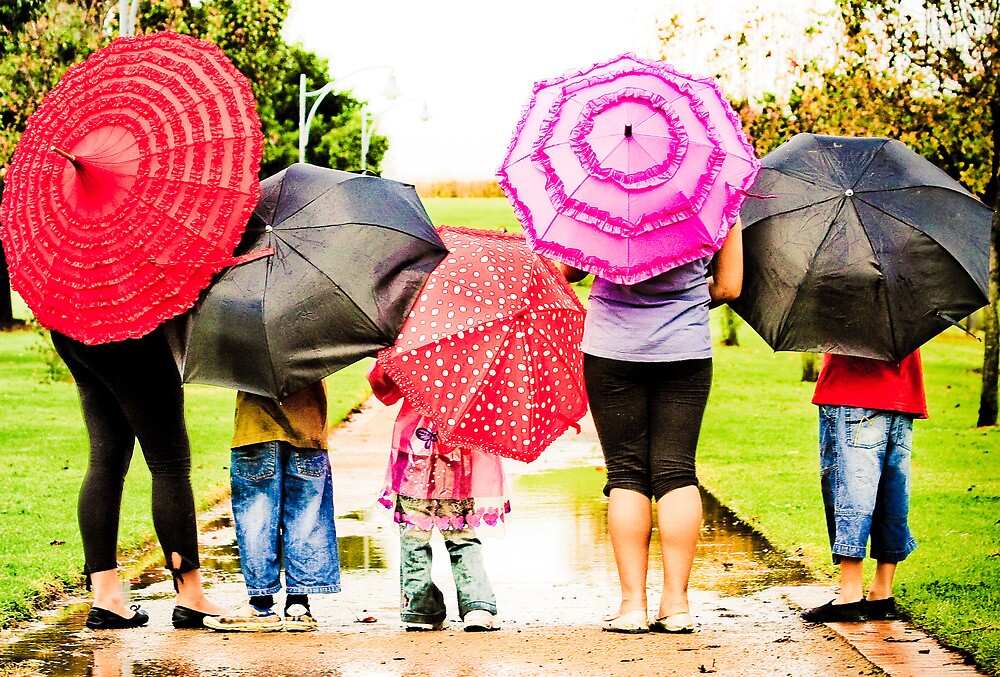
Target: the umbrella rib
(323, 273)
(263, 312)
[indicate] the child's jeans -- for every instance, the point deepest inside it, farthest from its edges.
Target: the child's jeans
(283, 507)
(865, 476)
(421, 600)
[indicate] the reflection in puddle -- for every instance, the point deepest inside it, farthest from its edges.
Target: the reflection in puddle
(361, 552)
(553, 566)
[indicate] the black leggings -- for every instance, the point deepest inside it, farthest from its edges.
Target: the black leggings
(132, 389)
(648, 418)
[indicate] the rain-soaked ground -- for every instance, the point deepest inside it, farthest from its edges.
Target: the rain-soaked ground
(552, 570)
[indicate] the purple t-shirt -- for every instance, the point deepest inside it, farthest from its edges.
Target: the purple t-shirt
(663, 319)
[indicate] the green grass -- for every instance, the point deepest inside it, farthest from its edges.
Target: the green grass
(475, 212)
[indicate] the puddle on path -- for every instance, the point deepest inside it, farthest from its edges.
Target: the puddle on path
(553, 566)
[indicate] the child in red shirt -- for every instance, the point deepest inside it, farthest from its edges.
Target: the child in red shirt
(866, 412)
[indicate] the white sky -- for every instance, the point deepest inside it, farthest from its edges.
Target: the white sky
(473, 64)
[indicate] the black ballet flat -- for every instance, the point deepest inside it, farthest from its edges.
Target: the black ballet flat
(185, 618)
(102, 619)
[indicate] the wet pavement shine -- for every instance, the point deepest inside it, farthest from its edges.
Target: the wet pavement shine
(554, 577)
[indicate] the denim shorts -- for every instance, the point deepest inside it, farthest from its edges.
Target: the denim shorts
(283, 509)
(865, 476)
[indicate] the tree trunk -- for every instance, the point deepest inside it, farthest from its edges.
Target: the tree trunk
(810, 367)
(991, 352)
(729, 323)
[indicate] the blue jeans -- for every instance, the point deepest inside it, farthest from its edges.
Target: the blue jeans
(421, 600)
(865, 476)
(283, 508)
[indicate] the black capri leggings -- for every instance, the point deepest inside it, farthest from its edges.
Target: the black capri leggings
(132, 389)
(648, 417)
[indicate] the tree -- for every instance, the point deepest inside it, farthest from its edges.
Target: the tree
(954, 47)
(928, 79)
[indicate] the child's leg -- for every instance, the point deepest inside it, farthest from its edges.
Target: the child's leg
(852, 448)
(851, 580)
(892, 541)
(467, 567)
(255, 474)
(882, 583)
(309, 533)
(421, 600)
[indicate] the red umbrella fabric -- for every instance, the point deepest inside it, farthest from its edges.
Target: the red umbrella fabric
(491, 349)
(131, 186)
(627, 169)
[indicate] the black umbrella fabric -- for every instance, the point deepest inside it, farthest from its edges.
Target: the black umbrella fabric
(334, 262)
(859, 246)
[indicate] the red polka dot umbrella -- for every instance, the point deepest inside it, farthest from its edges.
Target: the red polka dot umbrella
(131, 186)
(491, 348)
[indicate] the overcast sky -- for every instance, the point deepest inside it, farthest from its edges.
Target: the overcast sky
(471, 63)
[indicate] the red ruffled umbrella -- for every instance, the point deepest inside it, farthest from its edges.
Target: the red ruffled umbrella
(131, 186)
(491, 348)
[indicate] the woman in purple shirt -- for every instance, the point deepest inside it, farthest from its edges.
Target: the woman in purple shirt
(648, 370)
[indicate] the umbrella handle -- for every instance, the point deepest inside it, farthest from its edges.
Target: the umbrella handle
(248, 257)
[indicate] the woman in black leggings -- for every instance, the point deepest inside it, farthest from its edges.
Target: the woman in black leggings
(132, 390)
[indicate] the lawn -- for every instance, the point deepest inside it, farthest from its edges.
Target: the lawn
(758, 456)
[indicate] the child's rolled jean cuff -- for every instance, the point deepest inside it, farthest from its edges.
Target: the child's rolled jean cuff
(429, 619)
(479, 606)
(891, 557)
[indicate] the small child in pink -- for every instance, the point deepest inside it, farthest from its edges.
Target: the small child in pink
(456, 489)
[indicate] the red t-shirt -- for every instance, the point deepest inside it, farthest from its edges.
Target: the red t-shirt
(848, 381)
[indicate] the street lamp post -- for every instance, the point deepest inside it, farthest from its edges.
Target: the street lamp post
(369, 120)
(305, 119)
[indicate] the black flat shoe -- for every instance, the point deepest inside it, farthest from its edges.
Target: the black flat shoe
(102, 619)
(880, 609)
(185, 618)
(852, 612)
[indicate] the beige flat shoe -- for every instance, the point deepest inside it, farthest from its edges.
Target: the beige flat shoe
(674, 623)
(631, 623)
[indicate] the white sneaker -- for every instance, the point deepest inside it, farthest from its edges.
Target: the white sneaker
(480, 620)
(424, 627)
(298, 619)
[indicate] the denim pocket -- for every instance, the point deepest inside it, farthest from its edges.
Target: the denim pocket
(311, 463)
(866, 428)
(255, 461)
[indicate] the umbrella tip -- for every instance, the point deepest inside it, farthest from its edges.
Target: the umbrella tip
(628, 131)
(65, 154)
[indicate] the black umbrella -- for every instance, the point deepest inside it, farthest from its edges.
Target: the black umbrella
(859, 246)
(334, 262)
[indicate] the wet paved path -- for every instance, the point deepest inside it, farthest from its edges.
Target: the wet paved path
(554, 578)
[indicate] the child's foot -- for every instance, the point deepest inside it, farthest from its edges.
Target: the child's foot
(851, 612)
(298, 619)
(424, 627)
(246, 618)
(880, 609)
(480, 620)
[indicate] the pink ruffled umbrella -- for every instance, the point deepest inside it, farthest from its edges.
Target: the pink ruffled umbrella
(627, 169)
(491, 348)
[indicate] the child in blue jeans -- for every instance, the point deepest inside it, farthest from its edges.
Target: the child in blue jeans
(866, 412)
(283, 508)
